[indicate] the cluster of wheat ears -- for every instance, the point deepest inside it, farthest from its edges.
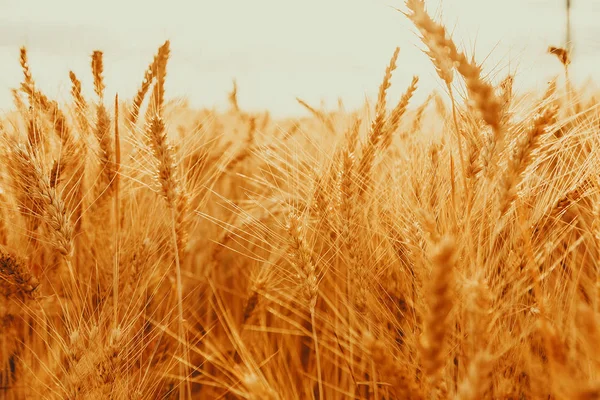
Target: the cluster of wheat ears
(448, 250)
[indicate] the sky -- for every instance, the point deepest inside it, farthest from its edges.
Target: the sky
(277, 50)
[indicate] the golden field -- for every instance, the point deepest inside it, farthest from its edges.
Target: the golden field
(443, 250)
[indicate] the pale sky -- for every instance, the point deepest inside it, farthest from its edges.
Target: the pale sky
(280, 49)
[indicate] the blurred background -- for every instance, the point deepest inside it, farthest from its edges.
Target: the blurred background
(318, 50)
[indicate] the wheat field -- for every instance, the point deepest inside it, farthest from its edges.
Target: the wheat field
(442, 250)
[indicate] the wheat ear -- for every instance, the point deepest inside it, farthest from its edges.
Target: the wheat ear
(440, 303)
(172, 192)
(55, 212)
(117, 215)
(522, 157)
(376, 132)
(149, 75)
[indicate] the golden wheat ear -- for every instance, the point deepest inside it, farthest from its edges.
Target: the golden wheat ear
(16, 278)
(151, 73)
(376, 132)
(173, 192)
(445, 54)
(106, 185)
(440, 300)
(561, 53)
(522, 157)
(54, 212)
(397, 113)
